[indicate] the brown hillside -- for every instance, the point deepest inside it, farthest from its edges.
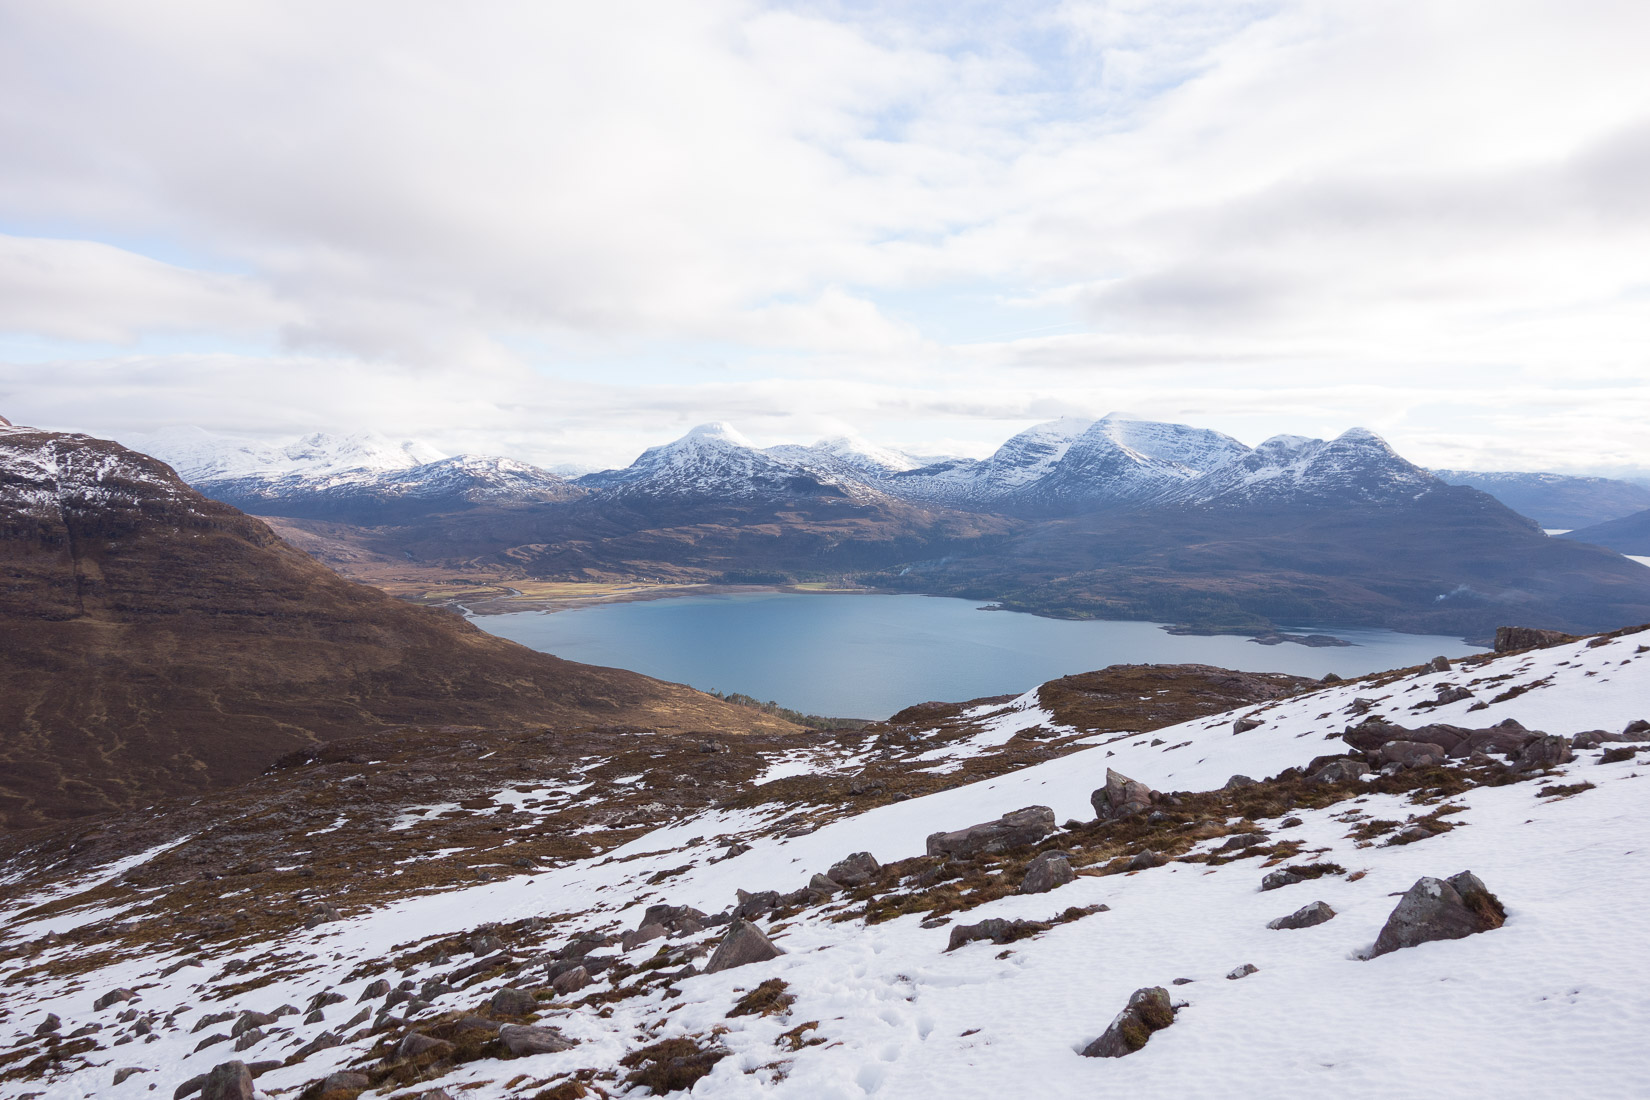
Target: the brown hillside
(154, 642)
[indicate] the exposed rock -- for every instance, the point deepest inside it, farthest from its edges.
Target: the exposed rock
(1343, 770)
(1506, 740)
(1439, 664)
(1304, 917)
(631, 940)
(126, 1071)
(228, 1081)
(1149, 1010)
(114, 996)
(374, 990)
(1412, 754)
(855, 870)
(1637, 725)
(248, 1039)
(190, 1086)
(1546, 751)
(1047, 871)
(754, 905)
(995, 929)
(1243, 840)
(250, 1020)
(415, 1043)
(1279, 878)
(322, 1041)
(823, 884)
(344, 1079)
(1242, 972)
(510, 1001)
(745, 943)
(1147, 860)
(1245, 723)
(1509, 639)
(321, 1000)
(1120, 797)
(1451, 693)
(521, 1040)
(570, 981)
(1237, 781)
(1012, 830)
(1440, 909)
(50, 1024)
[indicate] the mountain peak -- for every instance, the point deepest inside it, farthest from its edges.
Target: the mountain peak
(719, 431)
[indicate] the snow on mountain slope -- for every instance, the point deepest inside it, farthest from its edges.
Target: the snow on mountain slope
(715, 461)
(1356, 466)
(1123, 459)
(202, 457)
(1022, 460)
(1540, 1006)
(850, 458)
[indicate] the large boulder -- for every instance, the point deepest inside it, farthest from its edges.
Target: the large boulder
(1545, 751)
(1412, 754)
(510, 1001)
(1120, 797)
(521, 1040)
(1149, 1010)
(228, 1081)
(855, 870)
(998, 930)
(1510, 639)
(745, 943)
(1047, 871)
(1344, 770)
(1022, 827)
(1507, 739)
(1440, 909)
(1305, 917)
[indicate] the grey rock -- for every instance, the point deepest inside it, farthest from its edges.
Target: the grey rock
(1505, 740)
(1047, 871)
(212, 1040)
(1012, 830)
(1244, 840)
(1149, 1010)
(250, 1020)
(1412, 754)
(1344, 770)
(1147, 860)
(190, 1086)
(1304, 917)
(415, 1043)
(1440, 909)
(360, 1017)
(510, 1001)
(249, 1038)
(632, 940)
(1244, 724)
(322, 1041)
(1120, 797)
(228, 1081)
(374, 990)
(114, 996)
(315, 1017)
(321, 1000)
(1183, 981)
(570, 981)
(1451, 693)
(1243, 972)
(1439, 664)
(996, 929)
(744, 944)
(855, 870)
(754, 905)
(823, 884)
(1280, 878)
(50, 1024)
(1238, 781)
(344, 1079)
(520, 1040)
(126, 1071)
(1545, 751)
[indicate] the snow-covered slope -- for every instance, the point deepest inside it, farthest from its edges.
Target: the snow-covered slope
(201, 457)
(715, 462)
(1545, 1005)
(851, 458)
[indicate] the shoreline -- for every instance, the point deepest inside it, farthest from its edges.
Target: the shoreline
(518, 601)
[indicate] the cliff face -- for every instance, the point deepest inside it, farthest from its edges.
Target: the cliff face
(155, 642)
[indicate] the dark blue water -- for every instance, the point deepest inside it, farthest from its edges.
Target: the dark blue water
(867, 656)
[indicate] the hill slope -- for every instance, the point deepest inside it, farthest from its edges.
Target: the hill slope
(1627, 535)
(155, 642)
(1557, 501)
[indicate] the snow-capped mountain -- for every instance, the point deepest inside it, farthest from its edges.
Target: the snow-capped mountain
(715, 462)
(983, 483)
(1356, 467)
(853, 458)
(201, 457)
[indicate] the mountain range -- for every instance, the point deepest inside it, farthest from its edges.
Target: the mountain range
(153, 641)
(1558, 501)
(1117, 517)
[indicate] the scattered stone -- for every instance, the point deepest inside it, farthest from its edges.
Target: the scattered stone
(50, 1024)
(1183, 981)
(415, 1043)
(126, 1071)
(228, 1081)
(315, 1017)
(344, 1079)
(1120, 797)
(754, 905)
(192, 1085)
(1451, 693)
(570, 981)
(510, 1001)
(1047, 871)
(360, 1017)
(823, 884)
(173, 968)
(1344, 770)
(1412, 754)
(745, 943)
(1304, 917)
(855, 870)
(1012, 830)
(1242, 972)
(1543, 752)
(1146, 860)
(1439, 664)
(1279, 878)
(250, 1020)
(212, 1040)
(1149, 1010)
(1243, 840)
(374, 990)
(248, 1039)
(321, 1000)
(521, 1040)
(1245, 723)
(1440, 909)
(996, 929)
(114, 996)
(1238, 781)
(321, 1042)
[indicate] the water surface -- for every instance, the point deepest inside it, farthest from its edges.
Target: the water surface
(867, 656)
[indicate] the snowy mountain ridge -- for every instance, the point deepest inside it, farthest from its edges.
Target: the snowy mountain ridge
(877, 990)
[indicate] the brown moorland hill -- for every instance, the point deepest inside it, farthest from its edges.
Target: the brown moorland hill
(154, 642)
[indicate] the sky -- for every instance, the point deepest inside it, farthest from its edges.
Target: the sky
(564, 232)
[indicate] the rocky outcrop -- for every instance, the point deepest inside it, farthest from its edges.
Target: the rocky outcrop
(1026, 826)
(1304, 917)
(1510, 639)
(522, 1040)
(855, 870)
(1120, 797)
(1344, 770)
(510, 1001)
(1440, 909)
(744, 944)
(1412, 754)
(1047, 871)
(1149, 1010)
(228, 1081)
(995, 929)
(1545, 751)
